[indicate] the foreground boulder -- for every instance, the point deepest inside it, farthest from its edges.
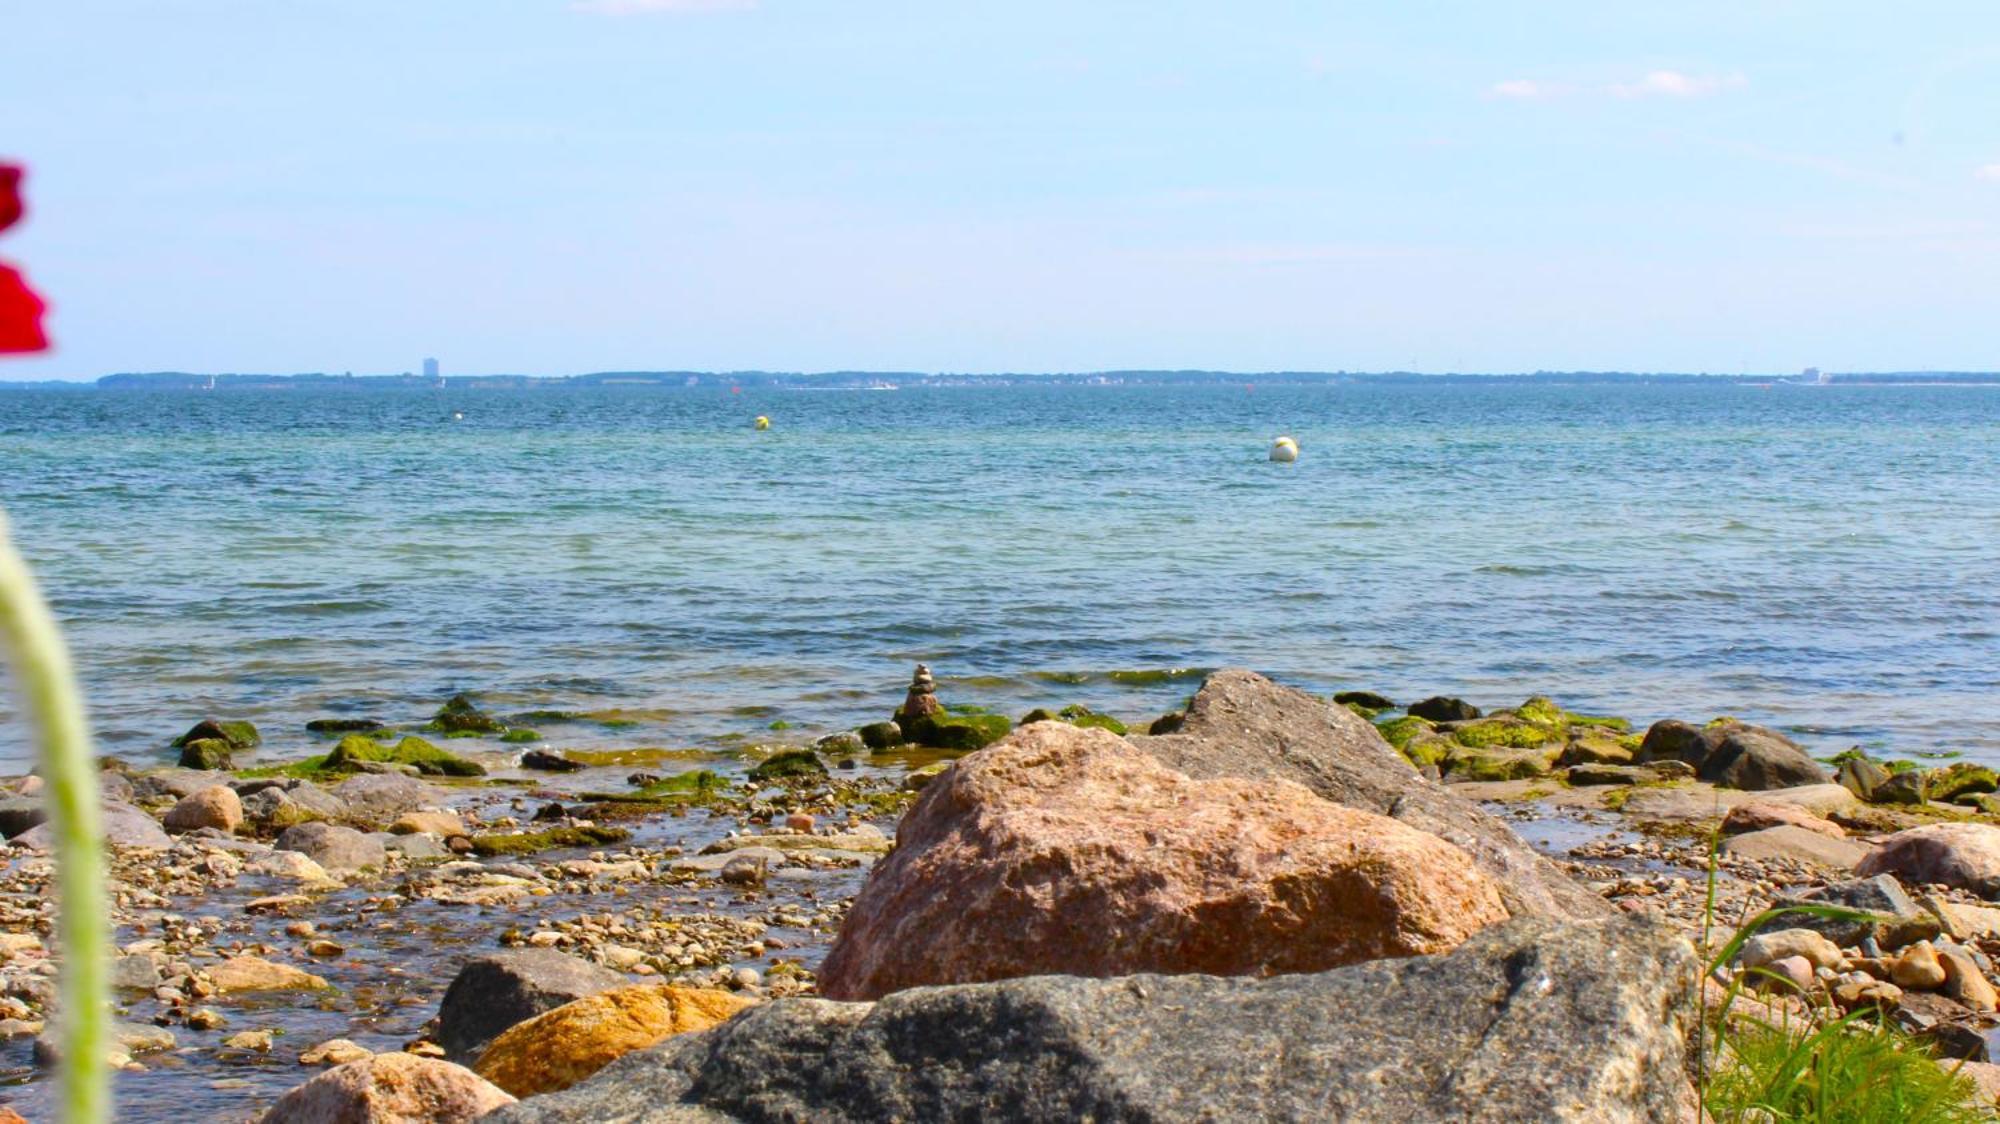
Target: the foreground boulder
(558, 1048)
(1532, 1020)
(393, 1088)
(1965, 856)
(497, 990)
(1065, 849)
(1241, 724)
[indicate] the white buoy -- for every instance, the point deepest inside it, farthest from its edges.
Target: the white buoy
(1284, 450)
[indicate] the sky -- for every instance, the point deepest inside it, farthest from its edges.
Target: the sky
(558, 186)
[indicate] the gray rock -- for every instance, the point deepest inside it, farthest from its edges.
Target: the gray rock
(379, 799)
(278, 807)
(1241, 724)
(1673, 740)
(19, 813)
(1798, 844)
(1902, 921)
(138, 971)
(176, 783)
(120, 825)
(1753, 758)
(1531, 1020)
(1443, 708)
(1862, 776)
(334, 847)
(1598, 775)
(418, 845)
(1906, 787)
(497, 990)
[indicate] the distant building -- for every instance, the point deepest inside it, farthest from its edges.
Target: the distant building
(430, 368)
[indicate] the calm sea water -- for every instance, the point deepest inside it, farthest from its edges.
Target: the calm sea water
(1827, 560)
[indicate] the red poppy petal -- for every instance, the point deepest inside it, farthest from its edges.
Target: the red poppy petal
(20, 315)
(10, 195)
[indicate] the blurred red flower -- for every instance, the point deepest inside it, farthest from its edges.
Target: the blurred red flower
(20, 309)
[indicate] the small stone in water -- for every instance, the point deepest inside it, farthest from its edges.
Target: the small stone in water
(205, 1018)
(799, 822)
(258, 1040)
(338, 1051)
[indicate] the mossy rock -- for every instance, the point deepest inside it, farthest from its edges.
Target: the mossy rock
(1542, 711)
(1961, 779)
(1368, 712)
(1589, 748)
(789, 763)
(1496, 764)
(1510, 732)
(1609, 722)
(415, 751)
(965, 732)
(238, 735)
(780, 724)
(881, 735)
(1399, 731)
(521, 734)
(1039, 714)
(1076, 715)
(1427, 747)
(343, 726)
(916, 779)
(1368, 699)
(531, 841)
(1904, 787)
(459, 716)
(206, 753)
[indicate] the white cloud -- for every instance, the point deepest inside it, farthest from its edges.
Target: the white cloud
(1988, 172)
(1674, 84)
(654, 7)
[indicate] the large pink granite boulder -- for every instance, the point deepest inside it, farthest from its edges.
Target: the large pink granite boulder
(1964, 855)
(1067, 850)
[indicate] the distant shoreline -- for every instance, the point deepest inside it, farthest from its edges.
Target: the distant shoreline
(897, 380)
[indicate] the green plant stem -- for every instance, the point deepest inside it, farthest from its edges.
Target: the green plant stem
(34, 650)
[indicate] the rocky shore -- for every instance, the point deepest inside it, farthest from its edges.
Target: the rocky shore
(1269, 905)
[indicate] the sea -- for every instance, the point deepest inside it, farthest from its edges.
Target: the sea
(643, 567)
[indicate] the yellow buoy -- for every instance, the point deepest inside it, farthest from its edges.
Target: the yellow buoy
(763, 422)
(1284, 450)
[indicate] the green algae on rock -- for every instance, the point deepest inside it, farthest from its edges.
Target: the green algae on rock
(958, 731)
(239, 735)
(1512, 732)
(520, 734)
(1960, 779)
(1399, 731)
(528, 842)
(356, 749)
(459, 716)
(789, 763)
(206, 754)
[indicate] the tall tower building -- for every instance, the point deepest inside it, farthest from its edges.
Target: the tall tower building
(430, 368)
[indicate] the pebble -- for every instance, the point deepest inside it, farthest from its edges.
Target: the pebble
(206, 1018)
(1918, 968)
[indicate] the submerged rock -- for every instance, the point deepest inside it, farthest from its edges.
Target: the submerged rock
(1015, 853)
(395, 1088)
(558, 1048)
(254, 973)
(881, 735)
(497, 990)
(549, 762)
(1241, 724)
(1532, 1020)
(789, 763)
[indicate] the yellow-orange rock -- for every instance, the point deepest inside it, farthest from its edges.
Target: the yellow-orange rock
(1069, 850)
(558, 1048)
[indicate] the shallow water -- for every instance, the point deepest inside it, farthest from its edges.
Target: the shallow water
(1827, 560)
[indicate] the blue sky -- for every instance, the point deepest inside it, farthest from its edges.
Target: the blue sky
(551, 187)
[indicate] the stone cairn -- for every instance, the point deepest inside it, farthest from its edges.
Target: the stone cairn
(922, 701)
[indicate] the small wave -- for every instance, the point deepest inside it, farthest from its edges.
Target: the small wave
(326, 608)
